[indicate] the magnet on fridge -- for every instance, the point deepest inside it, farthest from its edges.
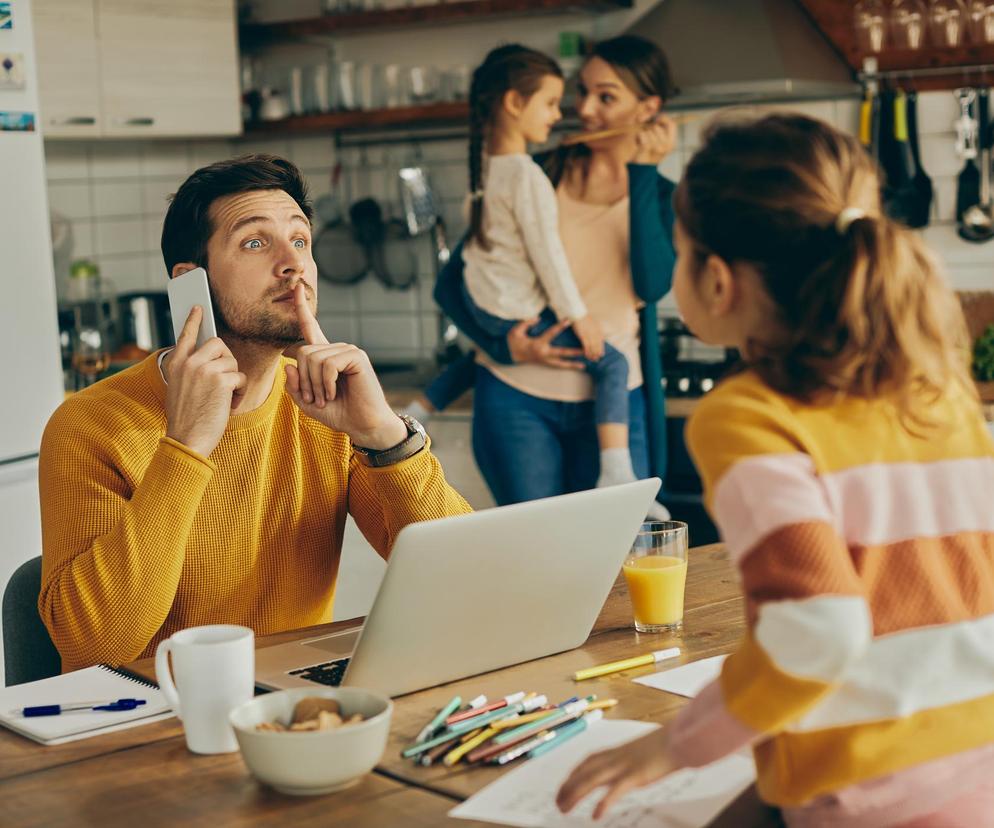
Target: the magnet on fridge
(17, 122)
(6, 18)
(11, 70)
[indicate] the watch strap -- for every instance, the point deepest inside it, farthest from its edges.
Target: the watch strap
(415, 441)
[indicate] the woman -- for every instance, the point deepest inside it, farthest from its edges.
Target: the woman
(533, 423)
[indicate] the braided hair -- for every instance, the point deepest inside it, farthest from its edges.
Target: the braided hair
(505, 68)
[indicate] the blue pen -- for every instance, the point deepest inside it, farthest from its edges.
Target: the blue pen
(56, 709)
(566, 732)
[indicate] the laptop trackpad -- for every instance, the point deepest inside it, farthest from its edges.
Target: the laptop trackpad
(342, 644)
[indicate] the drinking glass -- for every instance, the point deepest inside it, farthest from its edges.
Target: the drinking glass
(870, 22)
(656, 574)
(907, 24)
(947, 22)
(980, 17)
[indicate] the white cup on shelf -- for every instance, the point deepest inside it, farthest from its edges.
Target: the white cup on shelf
(213, 672)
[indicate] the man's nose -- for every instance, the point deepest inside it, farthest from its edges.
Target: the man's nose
(292, 260)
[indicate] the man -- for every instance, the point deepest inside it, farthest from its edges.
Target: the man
(211, 485)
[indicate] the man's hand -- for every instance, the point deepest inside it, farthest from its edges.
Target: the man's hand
(334, 384)
(539, 349)
(204, 387)
(622, 769)
(655, 141)
(591, 336)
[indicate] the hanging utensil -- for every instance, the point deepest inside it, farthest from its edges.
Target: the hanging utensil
(339, 259)
(973, 222)
(898, 194)
(921, 207)
(978, 224)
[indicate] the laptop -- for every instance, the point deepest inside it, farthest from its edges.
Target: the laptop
(468, 594)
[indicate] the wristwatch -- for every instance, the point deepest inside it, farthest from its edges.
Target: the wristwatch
(416, 440)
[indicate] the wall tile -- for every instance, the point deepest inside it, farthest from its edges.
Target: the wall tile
(65, 160)
(340, 328)
(84, 235)
(386, 333)
(125, 273)
(155, 271)
(313, 152)
(115, 159)
(944, 198)
(672, 166)
(72, 199)
(429, 331)
(972, 278)
(156, 193)
(373, 297)
(337, 299)
(153, 232)
(117, 198)
(956, 252)
(162, 158)
(203, 153)
(120, 236)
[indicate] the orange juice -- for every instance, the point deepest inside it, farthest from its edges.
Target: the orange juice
(656, 583)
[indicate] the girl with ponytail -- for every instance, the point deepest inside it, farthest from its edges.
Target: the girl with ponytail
(516, 268)
(849, 469)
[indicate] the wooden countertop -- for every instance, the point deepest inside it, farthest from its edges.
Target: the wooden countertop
(146, 776)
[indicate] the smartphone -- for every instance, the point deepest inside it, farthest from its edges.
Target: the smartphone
(185, 292)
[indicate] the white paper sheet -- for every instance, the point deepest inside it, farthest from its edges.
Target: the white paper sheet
(690, 798)
(687, 680)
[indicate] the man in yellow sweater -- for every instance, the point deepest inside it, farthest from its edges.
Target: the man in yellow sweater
(211, 485)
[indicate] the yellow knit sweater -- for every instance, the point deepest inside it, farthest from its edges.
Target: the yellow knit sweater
(143, 537)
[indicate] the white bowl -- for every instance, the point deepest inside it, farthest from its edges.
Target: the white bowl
(312, 762)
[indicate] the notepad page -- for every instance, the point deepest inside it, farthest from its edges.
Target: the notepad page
(91, 684)
(525, 797)
(687, 680)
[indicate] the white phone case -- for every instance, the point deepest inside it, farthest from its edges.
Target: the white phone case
(185, 292)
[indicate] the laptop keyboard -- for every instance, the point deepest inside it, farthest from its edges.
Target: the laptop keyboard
(330, 673)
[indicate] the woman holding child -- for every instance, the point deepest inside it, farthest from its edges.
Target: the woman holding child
(540, 426)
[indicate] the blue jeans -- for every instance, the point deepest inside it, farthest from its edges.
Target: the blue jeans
(455, 380)
(609, 373)
(528, 448)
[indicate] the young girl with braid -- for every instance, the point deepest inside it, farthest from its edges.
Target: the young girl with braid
(850, 471)
(516, 268)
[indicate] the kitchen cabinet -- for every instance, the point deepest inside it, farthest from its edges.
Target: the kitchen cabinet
(146, 68)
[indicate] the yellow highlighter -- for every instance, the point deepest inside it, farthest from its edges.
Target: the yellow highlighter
(603, 704)
(458, 752)
(626, 664)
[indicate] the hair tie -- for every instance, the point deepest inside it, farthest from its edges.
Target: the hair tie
(846, 217)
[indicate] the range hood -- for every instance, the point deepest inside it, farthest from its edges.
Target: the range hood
(724, 52)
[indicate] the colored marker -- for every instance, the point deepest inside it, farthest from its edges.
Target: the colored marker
(541, 713)
(566, 733)
(439, 720)
(570, 711)
(453, 756)
(525, 747)
(430, 757)
(485, 708)
(626, 664)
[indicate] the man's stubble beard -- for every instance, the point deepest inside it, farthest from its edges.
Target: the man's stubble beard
(259, 327)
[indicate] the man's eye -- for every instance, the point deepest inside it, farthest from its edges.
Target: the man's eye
(253, 244)
(300, 243)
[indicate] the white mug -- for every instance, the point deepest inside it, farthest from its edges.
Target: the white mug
(214, 668)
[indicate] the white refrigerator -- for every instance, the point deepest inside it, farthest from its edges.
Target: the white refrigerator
(31, 384)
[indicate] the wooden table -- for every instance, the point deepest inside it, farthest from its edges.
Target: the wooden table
(146, 777)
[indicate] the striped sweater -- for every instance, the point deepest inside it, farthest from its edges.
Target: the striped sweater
(865, 681)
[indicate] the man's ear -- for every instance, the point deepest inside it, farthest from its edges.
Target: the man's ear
(182, 267)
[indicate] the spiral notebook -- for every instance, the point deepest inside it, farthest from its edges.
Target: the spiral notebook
(91, 684)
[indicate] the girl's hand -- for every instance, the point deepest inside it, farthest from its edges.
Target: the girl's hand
(591, 336)
(622, 769)
(539, 349)
(655, 141)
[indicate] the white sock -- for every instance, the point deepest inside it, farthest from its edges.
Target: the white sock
(417, 411)
(616, 468)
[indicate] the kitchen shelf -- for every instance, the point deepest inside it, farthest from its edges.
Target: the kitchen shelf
(461, 11)
(402, 116)
(835, 20)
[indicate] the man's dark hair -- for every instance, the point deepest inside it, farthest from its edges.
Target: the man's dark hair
(188, 228)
